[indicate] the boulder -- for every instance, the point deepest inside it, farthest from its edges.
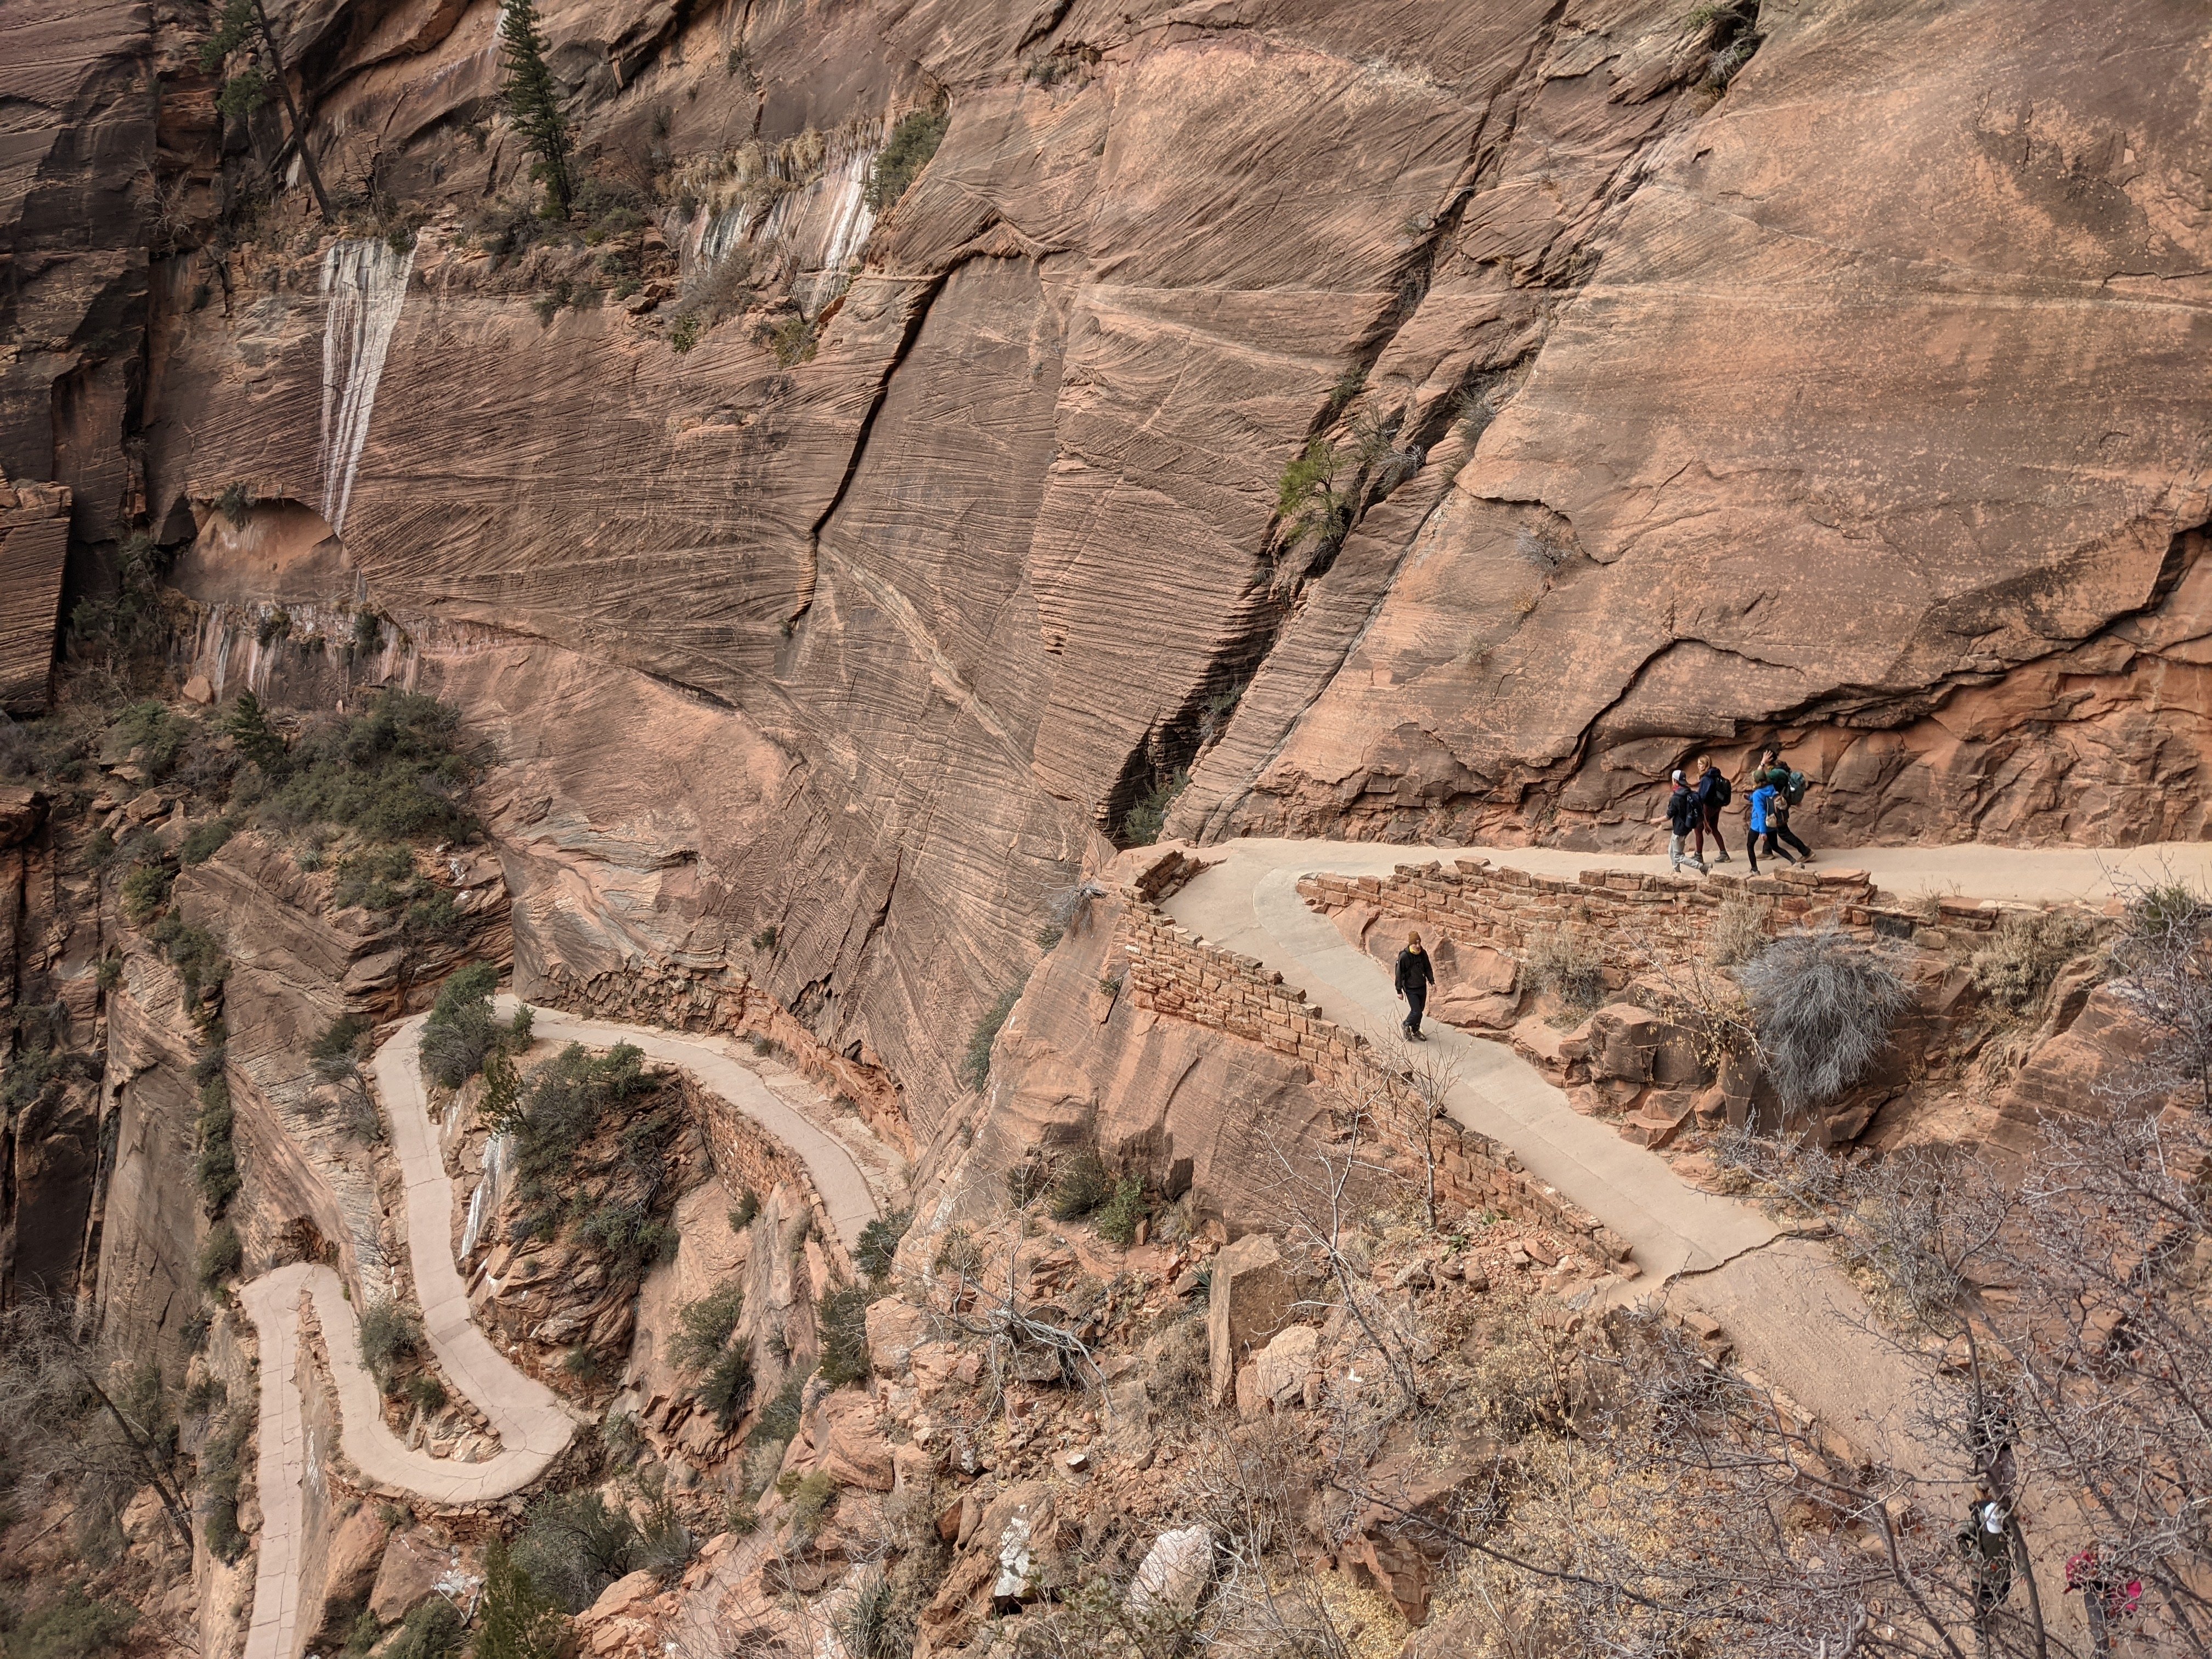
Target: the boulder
(849, 1431)
(1676, 1063)
(896, 1329)
(1012, 1583)
(1659, 1117)
(620, 1621)
(413, 1566)
(1252, 1296)
(998, 1548)
(620, 1597)
(22, 810)
(349, 1572)
(1625, 1040)
(1278, 1376)
(2104, 1039)
(1174, 1573)
(1391, 1544)
(1564, 1055)
(913, 1468)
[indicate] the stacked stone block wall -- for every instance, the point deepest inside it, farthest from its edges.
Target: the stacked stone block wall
(1636, 920)
(1173, 972)
(747, 1158)
(718, 999)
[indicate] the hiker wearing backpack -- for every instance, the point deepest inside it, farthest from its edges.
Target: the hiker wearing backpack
(1763, 806)
(1685, 814)
(1713, 793)
(1789, 787)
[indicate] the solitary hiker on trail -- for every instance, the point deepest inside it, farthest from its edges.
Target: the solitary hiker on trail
(1684, 815)
(1762, 824)
(1416, 973)
(1713, 793)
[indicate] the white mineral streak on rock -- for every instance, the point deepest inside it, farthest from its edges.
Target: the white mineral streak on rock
(1013, 1580)
(720, 232)
(364, 286)
(853, 218)
(485, 1199)
(819, 225)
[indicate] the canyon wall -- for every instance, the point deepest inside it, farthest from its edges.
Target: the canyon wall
(1820, 371)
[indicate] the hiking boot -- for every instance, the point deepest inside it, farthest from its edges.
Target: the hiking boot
(1720, 858)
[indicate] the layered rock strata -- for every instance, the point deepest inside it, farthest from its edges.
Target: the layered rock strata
(986, 568)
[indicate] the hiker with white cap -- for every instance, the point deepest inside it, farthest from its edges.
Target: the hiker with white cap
(1685, 813)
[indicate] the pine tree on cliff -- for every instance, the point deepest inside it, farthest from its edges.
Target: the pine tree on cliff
(246, 91)
(257, 740)
(518, 1622)
(534, 102)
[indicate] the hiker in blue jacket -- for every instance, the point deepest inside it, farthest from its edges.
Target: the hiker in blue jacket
(1685, 814)
(1763, 801)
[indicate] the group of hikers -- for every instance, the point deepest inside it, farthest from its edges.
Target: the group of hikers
(1694, 811)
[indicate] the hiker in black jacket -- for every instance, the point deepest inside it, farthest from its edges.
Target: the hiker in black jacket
(1416, 973)
(1685, 813)
(1713, 793)
(1788, 790)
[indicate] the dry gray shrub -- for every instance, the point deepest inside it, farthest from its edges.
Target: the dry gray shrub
(1566, 960)
(2016, 967)
(1822, 1003)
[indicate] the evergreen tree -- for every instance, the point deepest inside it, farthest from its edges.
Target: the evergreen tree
(534, 102)
(518, 1621)
(236, 28)
(257, 741)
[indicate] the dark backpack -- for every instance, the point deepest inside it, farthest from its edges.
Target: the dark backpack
(1722, 792)
(1792, 791)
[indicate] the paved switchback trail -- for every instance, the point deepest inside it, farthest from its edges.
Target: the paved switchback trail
(534, 1425)
(1793, 1315)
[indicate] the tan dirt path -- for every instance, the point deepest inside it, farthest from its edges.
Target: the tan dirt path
(533, 1424)
(1794, 1316)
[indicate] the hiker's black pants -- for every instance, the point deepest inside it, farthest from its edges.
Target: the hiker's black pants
(1752, 848)
(1782, 831)
(1417, 1002)
(1709, 823)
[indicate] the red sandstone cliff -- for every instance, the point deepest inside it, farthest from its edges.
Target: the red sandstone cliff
(1847, 388)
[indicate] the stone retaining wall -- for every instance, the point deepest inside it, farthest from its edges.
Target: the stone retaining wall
(719, 999)
(1626, 915)
(1173, 972)
(747, 1158)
